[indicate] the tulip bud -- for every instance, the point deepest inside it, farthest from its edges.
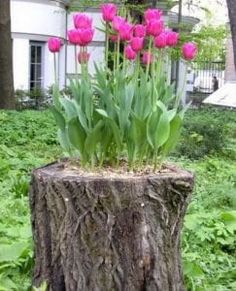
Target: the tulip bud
(117, 22)
(109, 11)
(189, 51)
(129, 53)
(137, 43)
(82, 21)
(139, 30)
(155, 27)
(54, 44)
(83, 57)
(74, 36)
(86, 36)
(125, 31)
(147, 58)
(160, 41)
(113, 37)
(151, 14)
(172, 38)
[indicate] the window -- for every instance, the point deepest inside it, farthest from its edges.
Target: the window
(36, 65)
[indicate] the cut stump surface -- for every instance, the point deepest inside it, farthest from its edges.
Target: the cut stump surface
(108, 231)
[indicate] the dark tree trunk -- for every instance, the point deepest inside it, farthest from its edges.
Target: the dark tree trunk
(108, 232)
(6, 69)
(232, 17)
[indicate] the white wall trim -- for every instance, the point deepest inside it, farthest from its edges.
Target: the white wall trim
(57, 3)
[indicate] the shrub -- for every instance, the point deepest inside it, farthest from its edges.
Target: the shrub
(201, 135)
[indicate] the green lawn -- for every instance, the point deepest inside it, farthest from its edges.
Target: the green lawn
(208, 147)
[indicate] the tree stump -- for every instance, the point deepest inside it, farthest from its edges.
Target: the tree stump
(108, 231)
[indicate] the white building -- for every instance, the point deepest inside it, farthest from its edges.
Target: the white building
(33, 22)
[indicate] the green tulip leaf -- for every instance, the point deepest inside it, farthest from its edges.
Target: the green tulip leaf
(77, 135)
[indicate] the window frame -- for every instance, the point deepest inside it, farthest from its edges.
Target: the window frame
(40, 82)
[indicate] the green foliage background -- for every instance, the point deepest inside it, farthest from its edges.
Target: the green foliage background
(27, 141)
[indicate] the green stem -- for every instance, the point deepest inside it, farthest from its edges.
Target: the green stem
(56, 85)
(55, 69)
(114, 57)
(118, 54)
(124, 64)
(138, 67)
(149, 52)
(107, 45)
(86, 63)
(157, 72)
(76, 66)
(155, 160)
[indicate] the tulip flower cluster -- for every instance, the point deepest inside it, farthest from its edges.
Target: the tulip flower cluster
(81, 35)
(136, 36)
(130, 112)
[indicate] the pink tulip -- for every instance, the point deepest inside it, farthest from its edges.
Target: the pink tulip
(74, 36)
(82, 21)
(189, 51)
(155, 27)
(139, 30)
(129, 53)
(83, 57)
(147, 58)
(113, 37)
(109, 11)
(151, 14)
(86, 36)
(54, 44)
(172, 38)
(117, 22)
(160, 41)
(125, 31)
(137, 43)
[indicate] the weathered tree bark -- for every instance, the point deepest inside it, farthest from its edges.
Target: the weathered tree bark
(232, 17)
(7, 100)
(108, 232)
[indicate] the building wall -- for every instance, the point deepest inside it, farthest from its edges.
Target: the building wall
(38, 18)
(230, 72)
(34, 20)
(21, 63)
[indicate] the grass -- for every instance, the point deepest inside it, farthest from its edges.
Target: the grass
(27, 141)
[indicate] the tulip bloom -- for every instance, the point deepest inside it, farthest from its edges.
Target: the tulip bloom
(137, 43)
(189, 51)
(172, 38)
(117, 22)
(109, 11)
(83, 57)
(86, 36)
(147, 58)
(155, 27)
(54, 44)
(125, 31)
(74, 36)
(82, 21)
(139, 30)
(160, 41)
(113, 37)
(151, 14)
(130, 54)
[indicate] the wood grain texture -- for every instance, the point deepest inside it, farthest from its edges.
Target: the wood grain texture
(96, 233)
